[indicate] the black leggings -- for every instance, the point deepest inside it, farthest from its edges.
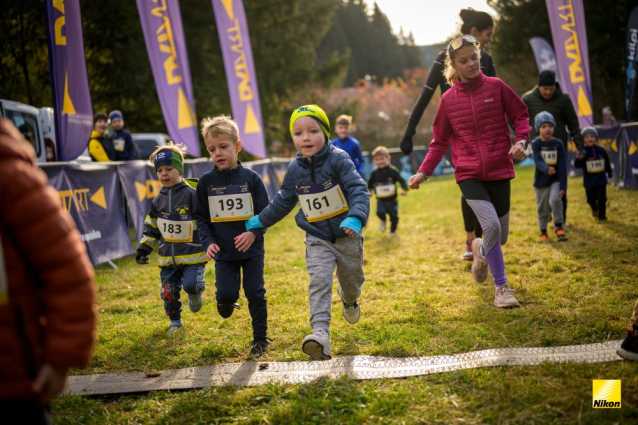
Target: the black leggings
(469, 219)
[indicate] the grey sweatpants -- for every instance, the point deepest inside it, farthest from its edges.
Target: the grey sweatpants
(346, 254)
(547, 197)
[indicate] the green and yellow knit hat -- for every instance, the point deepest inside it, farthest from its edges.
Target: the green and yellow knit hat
(314, 112)
(170, 158)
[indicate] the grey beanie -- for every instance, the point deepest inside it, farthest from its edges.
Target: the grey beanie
(590, 130)
(543, 117)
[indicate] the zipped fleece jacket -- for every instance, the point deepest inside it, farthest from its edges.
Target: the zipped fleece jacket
(329, 163)
(224, 233)
(472, 117)
(594, 179)
(562, 109)
(47, 315)
(178, 201)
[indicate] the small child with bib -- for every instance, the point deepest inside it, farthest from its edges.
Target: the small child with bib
(550, 177)
(227, 196)
(594, 161)
(334, 208)
(383, 182)
(170, 226)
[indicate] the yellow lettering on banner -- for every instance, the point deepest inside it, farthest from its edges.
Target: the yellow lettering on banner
(60, 22)
(152, 188)
(185, 114)
(99, 198)
(228, 5)
(584, 108)
(572, 48)
(77, 197)
(251, 125)
(166, 44)
(632, 148)
(241, 68)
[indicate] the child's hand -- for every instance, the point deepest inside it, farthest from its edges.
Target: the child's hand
(562, 192)
(416, 180)
(211, 251)
(351, 226)
(370, 193)
(244, 241)
(551, 171)
(350, 232)
(49, 383)
(404, 192)
(518, 151)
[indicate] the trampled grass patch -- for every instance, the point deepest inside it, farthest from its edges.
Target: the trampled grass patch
(419, 299)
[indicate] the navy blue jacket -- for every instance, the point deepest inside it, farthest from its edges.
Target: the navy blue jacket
(128, 147)
(352, 148)
(594, 179)
(383, 176)
(329, 163)
(541, 178)
(224, 233)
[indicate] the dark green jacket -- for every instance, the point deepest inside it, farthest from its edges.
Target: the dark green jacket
(562, 108)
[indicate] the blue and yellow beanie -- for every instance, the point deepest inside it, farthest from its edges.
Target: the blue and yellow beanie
(170, 158)
(314, 112)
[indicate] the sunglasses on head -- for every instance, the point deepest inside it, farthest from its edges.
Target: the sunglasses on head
(458, 42)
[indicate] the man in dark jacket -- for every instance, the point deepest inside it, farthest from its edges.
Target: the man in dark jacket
(548, 96)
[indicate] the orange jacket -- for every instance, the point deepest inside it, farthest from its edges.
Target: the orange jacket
(47, 315)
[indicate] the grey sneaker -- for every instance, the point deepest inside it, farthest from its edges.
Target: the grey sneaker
(504, 298)
(479, 265)
(317, 346)
(175, 325)
(195, 302)
(351, 313)
(382, 227)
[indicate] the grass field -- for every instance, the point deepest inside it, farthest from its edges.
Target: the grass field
(419, 299)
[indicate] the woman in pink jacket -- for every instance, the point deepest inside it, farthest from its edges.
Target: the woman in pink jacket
(473, 117)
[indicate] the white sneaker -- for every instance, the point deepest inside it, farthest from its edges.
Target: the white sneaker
(317, 346)
(351, 313)
(195, 302)
(174, 326)
(504, 298)
(382, 227)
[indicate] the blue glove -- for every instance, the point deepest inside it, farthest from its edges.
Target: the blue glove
(352, 223)
(254, 223)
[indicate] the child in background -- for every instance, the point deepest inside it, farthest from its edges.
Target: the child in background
(550, 177)
(122, 139)
(100, 146)
(348, 143)
(383, 181)
(594, 161)
(170, 224)
(227, 196)
(334, 208)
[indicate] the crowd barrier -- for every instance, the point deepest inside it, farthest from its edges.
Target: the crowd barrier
(105, 199)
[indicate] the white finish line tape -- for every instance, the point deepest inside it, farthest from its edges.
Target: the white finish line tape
(356, 367)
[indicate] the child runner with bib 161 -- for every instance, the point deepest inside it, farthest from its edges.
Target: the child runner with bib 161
(334, 208)
(383, 182)
(170, 224)
(472, 117)
(227, 196)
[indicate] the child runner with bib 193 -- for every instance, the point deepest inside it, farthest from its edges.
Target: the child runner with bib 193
(383, 182)
(594, 161)
(472, 117)
(227, 196)
(170, 224)
(334, 208)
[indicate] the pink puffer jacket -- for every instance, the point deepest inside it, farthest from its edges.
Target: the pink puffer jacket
(473, 117)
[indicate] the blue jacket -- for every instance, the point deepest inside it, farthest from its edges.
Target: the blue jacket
(594, 179)
(123, 140)
(541, 176)
(224, 233)
(329, 163)
(352, 148)
(176, 204)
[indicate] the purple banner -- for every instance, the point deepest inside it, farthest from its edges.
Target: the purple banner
(240, 74)
(544, 54)
(69, 83)
(630, 179)
(91, 194)
(164, 36)
(567, 20)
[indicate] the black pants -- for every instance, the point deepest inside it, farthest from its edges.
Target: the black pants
(390, 208)
(228, 281)
(597, 200)
(469, 219)
(25, 412)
